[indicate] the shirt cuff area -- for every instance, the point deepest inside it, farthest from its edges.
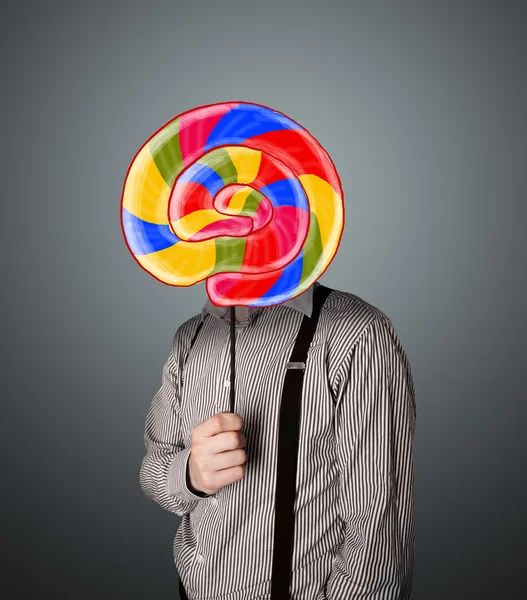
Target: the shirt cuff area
(177, 478)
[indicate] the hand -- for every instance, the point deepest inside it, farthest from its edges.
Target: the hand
(217, 455)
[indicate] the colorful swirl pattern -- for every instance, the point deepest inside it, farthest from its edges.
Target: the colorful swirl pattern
(236, 194)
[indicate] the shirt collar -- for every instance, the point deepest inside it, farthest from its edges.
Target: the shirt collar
(303, 303)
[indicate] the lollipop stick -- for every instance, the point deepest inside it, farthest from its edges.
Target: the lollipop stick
(232, 356)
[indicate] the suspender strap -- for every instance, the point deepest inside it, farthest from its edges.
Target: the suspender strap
(196, 331)
(198, 328)
(288, 451)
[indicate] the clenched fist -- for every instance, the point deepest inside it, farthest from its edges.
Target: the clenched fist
(217, 456)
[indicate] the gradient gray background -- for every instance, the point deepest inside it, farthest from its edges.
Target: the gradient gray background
(422, 107)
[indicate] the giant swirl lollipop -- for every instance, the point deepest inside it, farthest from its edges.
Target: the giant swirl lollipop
(236, 194)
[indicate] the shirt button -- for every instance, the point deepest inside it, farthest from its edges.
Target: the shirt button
(214, 501)
(200, 558)
(227, 383)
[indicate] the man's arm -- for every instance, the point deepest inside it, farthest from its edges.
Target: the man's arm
(163, 474)
(375, 421)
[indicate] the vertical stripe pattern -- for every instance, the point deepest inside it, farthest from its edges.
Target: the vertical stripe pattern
(354, 527)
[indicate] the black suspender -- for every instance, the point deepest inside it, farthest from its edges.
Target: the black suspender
(198, 328)
(200, 325)
(288, 451)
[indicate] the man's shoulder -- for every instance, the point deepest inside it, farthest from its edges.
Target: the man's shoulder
(185, 332)
(348, 315)
(351, 304)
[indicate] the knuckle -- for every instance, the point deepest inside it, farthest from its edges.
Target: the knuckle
(218, 422)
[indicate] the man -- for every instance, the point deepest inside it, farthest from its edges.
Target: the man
(354, 531)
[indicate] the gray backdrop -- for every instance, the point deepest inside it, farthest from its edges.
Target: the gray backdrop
(422, 107)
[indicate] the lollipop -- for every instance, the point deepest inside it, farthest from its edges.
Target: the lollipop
(236, 194)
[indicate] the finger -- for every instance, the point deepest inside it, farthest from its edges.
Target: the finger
(225, 460)
(228, 476)
(223, 442)
(225, 421)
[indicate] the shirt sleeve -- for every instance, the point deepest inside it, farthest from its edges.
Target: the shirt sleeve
(375, 425)
(163, 473)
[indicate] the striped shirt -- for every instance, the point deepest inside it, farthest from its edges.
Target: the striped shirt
(354, 521)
